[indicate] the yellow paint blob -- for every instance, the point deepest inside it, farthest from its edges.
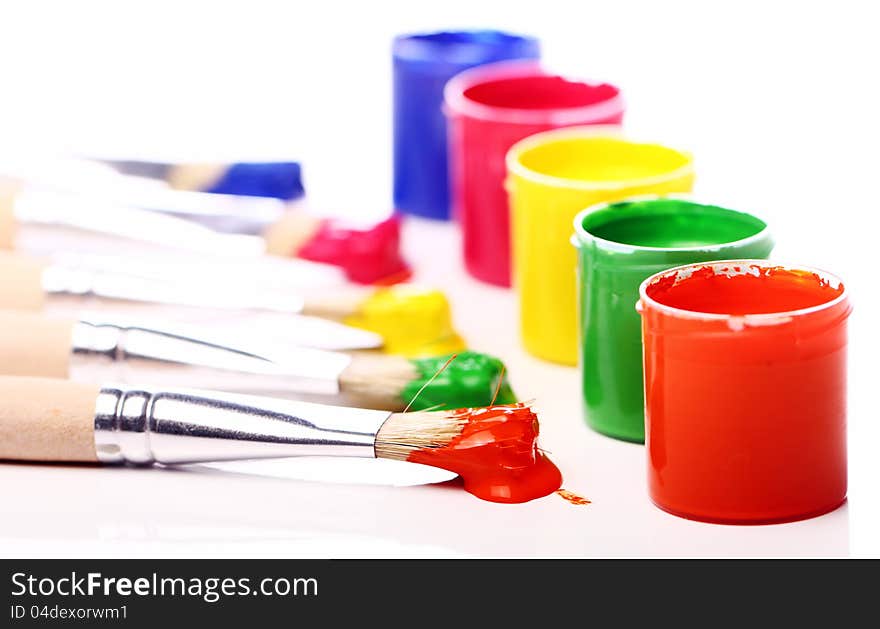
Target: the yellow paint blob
(551, 177)
(415, 322)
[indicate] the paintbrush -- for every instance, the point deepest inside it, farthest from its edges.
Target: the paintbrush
(72, 179)
(367, 254)
(44, 220)
(222, 212)
(410, 320)
(276, 179)
(94, 350)
(494, 449)
(149, 240)
(30, 284)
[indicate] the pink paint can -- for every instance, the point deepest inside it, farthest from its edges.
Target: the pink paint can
(490, 108)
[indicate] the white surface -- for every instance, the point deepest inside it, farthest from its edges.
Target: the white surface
(278, 508)
(778, 101)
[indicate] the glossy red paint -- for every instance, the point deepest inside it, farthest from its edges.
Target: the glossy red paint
(572, 497)
(496, 455)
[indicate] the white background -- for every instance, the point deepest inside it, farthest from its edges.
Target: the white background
(778, 101)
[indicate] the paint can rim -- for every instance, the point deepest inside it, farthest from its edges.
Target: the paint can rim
(590, 132)
(582, 236)
(457, 104)
(462, 48)
(750, 320)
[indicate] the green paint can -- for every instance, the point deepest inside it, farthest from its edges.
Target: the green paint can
(619, 245)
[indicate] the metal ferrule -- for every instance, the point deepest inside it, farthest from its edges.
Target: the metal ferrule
(110, 351)
(291, 275)
(225, 213)
(97, 217)
(71, 280)
(141, 427)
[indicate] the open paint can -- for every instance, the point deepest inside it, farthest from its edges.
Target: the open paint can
(551, 177)
(619, 245)
(489, 109)
(423, 63)
(745, 390)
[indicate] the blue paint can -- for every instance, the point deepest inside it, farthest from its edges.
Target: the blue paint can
(423, 63)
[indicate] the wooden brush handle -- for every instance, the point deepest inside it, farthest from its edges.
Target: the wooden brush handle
(42, 419)
(8, 191)
(34, 345)
(21, 282)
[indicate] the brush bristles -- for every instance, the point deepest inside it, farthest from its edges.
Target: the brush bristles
(288, 235)
(339, 304)
(404, 433)
(378, 380)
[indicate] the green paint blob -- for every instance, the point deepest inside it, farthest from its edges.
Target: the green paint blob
(470, 380)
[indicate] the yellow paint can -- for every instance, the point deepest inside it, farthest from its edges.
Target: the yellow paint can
(551, 177)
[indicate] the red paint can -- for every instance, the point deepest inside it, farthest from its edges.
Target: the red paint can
(490, 108)
(745, 391)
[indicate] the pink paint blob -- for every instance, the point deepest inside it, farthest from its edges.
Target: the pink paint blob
(367, 255)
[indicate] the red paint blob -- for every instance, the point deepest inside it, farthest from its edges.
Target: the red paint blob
(367, 255)
(768, 290)
(571, 497)
(497, 455)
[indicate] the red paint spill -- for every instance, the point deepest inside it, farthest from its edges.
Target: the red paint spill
(768, 290)
(367, 255)
(497, 455)
(573, 498)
